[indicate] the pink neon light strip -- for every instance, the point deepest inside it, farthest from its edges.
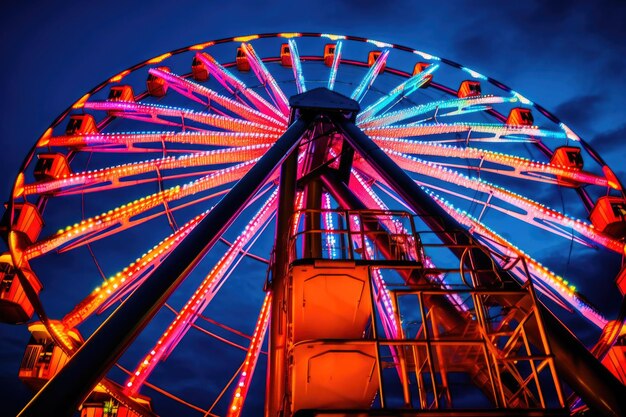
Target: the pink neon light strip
(252, 357)
(237, 87)
(558, 284)
(187, 87)
(266, 78)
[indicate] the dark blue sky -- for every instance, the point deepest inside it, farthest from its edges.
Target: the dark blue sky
(566, 56)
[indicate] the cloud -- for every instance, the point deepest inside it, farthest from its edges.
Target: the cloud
(610, 141)
(579, 111)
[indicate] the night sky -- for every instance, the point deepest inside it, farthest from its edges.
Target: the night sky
(567, 56)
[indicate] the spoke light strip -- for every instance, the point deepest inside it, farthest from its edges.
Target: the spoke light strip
(368, 79)
(406, 88)
(129, 275)
(116, 173)
(249, 365)
(499, 130)
(235, 86)
(335, 66)
(129, 139)
(533, 209)
(122, 214)
(187, 87)
(266, 78)
(519, 165)
(456, 103)
(557, 283)
(296, 65)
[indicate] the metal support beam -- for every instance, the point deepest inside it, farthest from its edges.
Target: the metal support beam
(600, 390)
(64, 393)
(277, 364)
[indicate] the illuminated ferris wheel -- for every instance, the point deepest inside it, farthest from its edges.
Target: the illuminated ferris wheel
(414, 235)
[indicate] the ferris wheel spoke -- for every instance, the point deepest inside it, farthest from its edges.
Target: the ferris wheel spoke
(129, 140)
(168, 394)
(461, 106)
(214, 335)
(237, 87)
(125, 281)
(532, 212)
(556, 283)
(119, 217)
(201, 297)
(249, 365)
(130, 183)
(153, 113)
(266, 78)
(521, 167)
(499, 131)
(525, 217)
(296, 65)
(370, 77)
(394, 96)
(192, 90)
(168, 211)
(113, 177)
(332, 76)
(121, 283)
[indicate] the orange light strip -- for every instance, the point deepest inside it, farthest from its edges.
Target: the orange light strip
(159, 58)
(129, 275)
(247, 370)
(119, 77)
(80, 103)
(290, 35)
(121, 215)
(201, 46)
(116, 173)
(246, 38)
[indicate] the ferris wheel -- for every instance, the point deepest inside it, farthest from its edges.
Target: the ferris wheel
(155, 214)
